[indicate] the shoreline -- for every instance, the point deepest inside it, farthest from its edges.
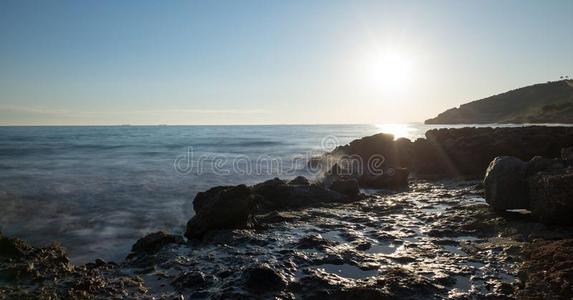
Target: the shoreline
(434, 237)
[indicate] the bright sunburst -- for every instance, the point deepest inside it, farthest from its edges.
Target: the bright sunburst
(389, 71)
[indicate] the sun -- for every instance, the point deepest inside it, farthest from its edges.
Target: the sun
(389, 71)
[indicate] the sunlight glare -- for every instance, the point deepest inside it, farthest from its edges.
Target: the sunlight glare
(398, 130)
(390, 72)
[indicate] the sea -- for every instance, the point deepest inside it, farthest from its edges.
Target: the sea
(97, 189)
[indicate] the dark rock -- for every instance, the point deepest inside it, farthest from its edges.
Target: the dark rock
(276, 217)
(100, 262)
(538, 164)
(567, 154)
(12, 248)
(226, 207)
(153, 242)
(364, 246)
(299, 180)
(314, 241)
(552, 197)
(347, 187)
(277, 195)
(505, 184)
(188, 280)
(363, 293)
(459, 152)
(262, 278)
(391, 178)
(547, 270)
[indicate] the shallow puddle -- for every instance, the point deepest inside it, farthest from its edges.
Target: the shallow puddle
(382, 248)
(455, 250)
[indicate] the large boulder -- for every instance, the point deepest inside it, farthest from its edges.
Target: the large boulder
(223, 207)
(153, 242)
(505, 183)
(552, 197)
(278, 195)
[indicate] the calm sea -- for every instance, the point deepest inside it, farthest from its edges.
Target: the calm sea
(98, 189)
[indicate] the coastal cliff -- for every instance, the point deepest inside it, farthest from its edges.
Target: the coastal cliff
(550, 102)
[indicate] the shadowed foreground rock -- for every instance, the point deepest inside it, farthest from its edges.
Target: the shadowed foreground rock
(222, 207)
(153, 242)
(543, 186)
(552, 197)
(347, 187)
(505, 183)
(278, 195)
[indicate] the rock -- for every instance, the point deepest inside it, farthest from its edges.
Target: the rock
(153, 242)
(567, 154)
(12, 248)
(546, 270)
(299, 180)
(277, 195)
(538, 164)
(459, 152)
(277, 217)
(225, 207)
(314, 241)
(505, 184)
(100, 262)
(391, 178)
(193, 279)
(347, 187)
(552, 197)
(262, 278)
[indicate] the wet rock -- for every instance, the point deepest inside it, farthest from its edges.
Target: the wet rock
(505, 184)
(347, 187)
(548, 270)
(542, 164)
(226, 207)
(153, 242)
(277, 217)
(314, 241)
(190, 280)
(277, 195)
(364, 293)
(567, 154)
(299, 180)
(552, 197)
(263, 278)
(391, 178)
(100, 262)
(364, 246)
(11, 247)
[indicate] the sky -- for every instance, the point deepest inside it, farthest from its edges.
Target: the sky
(270, 62)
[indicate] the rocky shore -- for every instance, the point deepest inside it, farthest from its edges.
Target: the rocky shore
(334, 239)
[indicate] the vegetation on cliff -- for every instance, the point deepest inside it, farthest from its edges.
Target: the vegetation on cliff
(550, 102)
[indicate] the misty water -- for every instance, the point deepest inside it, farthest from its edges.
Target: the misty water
(96, 190)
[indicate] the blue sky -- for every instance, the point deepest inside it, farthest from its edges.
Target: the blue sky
(270, 62)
